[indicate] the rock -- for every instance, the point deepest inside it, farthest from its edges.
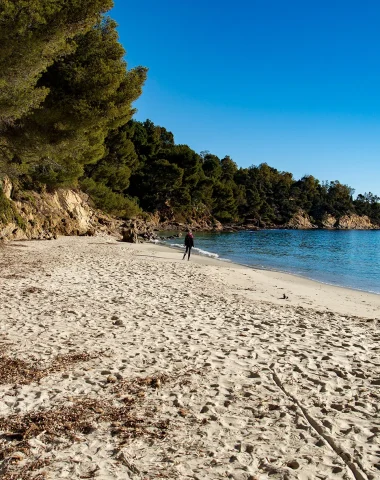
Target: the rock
(328, 221)
(119, 323)
(354, 222)
(6, 187)
(45, 215)
(300, 221)
(337, 469)
(129, 235)
(183, 412)
(293, 464)
(111, 379)
(249, 448)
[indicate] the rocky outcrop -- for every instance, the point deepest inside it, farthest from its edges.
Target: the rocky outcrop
(328, 221)
(300, 221)
(130, 235)
(7, 187)
(47, 215)
(348, 222)
(355, 222)
(197, 220)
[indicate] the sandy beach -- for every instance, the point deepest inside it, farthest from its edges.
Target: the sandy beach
(122, 361)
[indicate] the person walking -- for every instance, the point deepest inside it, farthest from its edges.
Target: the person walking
(189, 244)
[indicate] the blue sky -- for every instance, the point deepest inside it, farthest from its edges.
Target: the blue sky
(288, 82)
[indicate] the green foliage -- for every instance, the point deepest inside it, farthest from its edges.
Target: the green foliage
(120, 160)
(87, 91)
(167, 175)
(33, 34)
(8, 213)
(368, 204)
(90, 93)
(212, 167)
(107, 200)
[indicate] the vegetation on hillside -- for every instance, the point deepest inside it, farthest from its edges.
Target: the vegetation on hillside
(66, 113)
(143, 162)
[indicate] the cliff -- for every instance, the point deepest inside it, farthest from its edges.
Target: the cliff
(349, 222)
(31, 215)
(301, 221)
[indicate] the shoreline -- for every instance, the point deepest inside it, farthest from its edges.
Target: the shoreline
(140, 365)
(215, 256)
(300, 290)
(360, 274)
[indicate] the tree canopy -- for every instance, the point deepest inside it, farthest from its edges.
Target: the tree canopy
(160, 174)
(68, 89)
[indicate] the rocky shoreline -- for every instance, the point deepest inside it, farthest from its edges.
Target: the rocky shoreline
(45, 216)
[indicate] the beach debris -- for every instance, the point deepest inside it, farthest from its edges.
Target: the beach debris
(32, 290)
(118, 323)
(82, 416)
(293, 464)
(285, 297)
(17, 371)
(26, 472)
(91, 473)
(249, 448)
(183, 412)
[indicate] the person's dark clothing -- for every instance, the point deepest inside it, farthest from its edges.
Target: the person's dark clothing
(189, 240)
(189, 244)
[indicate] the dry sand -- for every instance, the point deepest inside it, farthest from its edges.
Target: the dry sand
(152, 367)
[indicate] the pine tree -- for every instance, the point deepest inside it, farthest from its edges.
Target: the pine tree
(90, 93)
(33, 34)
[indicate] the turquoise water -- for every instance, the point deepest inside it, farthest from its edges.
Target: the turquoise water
(349, 258)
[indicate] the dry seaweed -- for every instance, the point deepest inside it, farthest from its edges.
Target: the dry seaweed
(16, 371)
(83, 416)
(29, 471)
(137, 385)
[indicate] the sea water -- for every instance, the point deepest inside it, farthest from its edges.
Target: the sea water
(348, 258)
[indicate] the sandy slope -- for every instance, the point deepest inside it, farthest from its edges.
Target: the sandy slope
(254, 386)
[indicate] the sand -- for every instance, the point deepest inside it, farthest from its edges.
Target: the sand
(188, 370)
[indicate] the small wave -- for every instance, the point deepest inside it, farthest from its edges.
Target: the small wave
(175, 245)
(205, 253)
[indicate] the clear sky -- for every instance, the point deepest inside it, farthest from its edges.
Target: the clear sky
(293, 83)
